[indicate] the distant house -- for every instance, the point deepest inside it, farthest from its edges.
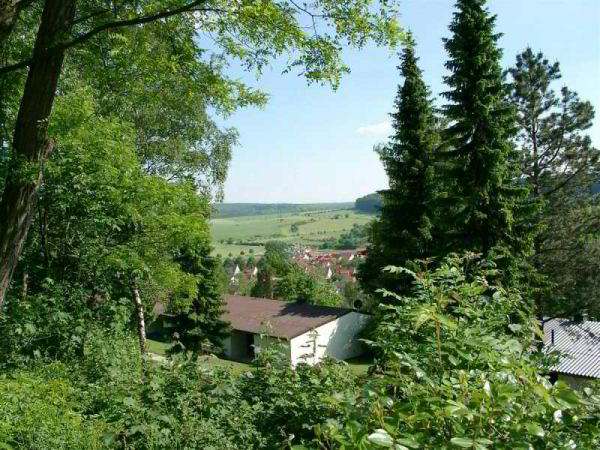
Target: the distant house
(308, 332)
(579, 347)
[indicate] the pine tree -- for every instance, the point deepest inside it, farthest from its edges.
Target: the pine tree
(405, 229)
(560, 165)
(484, 200)
(200, 328)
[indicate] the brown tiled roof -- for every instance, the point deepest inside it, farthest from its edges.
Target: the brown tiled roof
(284, 319)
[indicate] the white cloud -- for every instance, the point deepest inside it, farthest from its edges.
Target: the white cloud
(377, 129)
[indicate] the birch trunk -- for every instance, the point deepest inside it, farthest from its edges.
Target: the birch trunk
(141, 323)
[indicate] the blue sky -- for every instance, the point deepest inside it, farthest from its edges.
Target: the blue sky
(311, 144)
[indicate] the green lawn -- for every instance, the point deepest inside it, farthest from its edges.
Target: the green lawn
(313, 228)
(207, 361)
(359, 366)
(160, 348)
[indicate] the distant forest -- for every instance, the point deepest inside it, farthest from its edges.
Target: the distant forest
(256, 209)
(371, 203)
(368, 204)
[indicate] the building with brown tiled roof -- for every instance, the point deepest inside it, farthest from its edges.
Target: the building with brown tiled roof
(308, 332)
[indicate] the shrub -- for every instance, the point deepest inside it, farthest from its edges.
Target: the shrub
(458, 370)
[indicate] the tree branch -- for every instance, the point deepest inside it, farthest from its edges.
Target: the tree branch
(192, 6)
(90, 15)
(137, 21)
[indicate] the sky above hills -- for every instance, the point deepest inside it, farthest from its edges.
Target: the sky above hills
(311, 144)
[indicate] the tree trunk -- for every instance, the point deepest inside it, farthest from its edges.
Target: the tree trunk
(9, 12)
(141, 324)
(31, 145)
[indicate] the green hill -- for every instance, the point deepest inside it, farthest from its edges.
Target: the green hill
(260, 209)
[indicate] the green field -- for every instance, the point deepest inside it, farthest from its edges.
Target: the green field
(313, 228)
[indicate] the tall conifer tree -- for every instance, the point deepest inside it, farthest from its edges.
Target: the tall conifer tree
(484, 197)
(560, 165)
(405, 230)
(200, 328)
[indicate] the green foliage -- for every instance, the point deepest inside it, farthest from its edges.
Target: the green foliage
(457, 371)
(54, 322)
(289, 401)
(41, 409)
(355, 297)
(356, 237)
(197, 328)
(301, 287)
(484, 203)
(278, 255)
(560, 166)
(263, 288)
(406, 227)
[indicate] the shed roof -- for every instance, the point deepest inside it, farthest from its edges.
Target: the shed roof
(579, 345)
(276, 318)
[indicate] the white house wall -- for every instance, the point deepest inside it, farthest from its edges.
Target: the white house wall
(234, 346)
(336, 339)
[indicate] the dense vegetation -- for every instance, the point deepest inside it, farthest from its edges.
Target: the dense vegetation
(504, 170)
(453, 373)
(409, 215)
(350, 240)
(110, 157)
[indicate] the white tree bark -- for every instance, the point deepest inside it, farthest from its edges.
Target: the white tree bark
(141, 323)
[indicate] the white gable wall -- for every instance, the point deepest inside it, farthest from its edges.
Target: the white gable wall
(336, 339)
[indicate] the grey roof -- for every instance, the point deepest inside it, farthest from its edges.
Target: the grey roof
(578, 344)
(276, 318)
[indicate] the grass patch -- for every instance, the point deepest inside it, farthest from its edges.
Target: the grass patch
(360, 365)
(160, 348)
(207, 361)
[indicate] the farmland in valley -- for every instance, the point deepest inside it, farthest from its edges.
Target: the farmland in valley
(236, 234)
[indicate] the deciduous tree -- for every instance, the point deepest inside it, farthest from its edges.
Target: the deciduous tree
(253, 32)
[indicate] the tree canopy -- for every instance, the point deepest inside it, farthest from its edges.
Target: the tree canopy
(404, 230)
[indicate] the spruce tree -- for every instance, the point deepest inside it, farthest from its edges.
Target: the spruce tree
(405, 229)
(200, 328)
(484, 201)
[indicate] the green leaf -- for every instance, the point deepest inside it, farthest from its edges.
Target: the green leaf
(381, 437)
(515, 328)
(462, 442)
(535, 429)
(410, 443)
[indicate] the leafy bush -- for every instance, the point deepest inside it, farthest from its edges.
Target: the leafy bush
(40, 409)
(459, 370)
